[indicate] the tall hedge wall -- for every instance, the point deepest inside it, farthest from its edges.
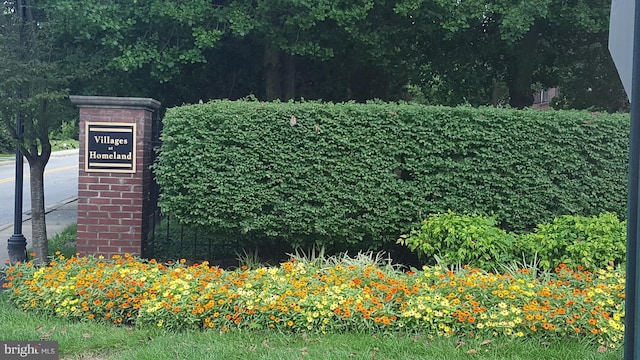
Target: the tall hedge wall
(362, 174)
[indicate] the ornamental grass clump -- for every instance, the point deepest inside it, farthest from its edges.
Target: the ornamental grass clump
(344, 294)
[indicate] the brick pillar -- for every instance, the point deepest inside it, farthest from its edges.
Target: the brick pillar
(114, 175)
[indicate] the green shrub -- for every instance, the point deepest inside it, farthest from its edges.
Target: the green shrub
(591, 242)
(357, 176)
(67, 131)
(460, 239)
(5, 141)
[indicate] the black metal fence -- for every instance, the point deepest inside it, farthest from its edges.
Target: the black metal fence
(169, 240)
(152, 216)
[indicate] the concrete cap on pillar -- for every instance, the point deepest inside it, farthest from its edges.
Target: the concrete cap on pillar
(115, 102)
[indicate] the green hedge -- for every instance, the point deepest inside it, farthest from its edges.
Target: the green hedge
(360, 175)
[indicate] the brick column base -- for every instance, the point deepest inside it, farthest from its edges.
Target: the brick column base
(112, 200)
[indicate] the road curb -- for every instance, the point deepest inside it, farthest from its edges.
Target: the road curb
(7, 160)
(27, 216)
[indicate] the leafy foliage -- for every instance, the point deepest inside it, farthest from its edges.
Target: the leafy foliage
(69, 130)
(354, 176)
(34, 83)
(591, 242)
(453, 52)
(518, 43)
(160, 36)
(592, 82)
(6, 143)
(473, 240)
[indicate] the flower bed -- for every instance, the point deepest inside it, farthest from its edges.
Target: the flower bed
(327, 296)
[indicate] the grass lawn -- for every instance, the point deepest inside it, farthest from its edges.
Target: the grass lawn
(98, 341)
(68, 144)
(56, 145)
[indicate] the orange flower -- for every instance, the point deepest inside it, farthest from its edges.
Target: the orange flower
(561, 311)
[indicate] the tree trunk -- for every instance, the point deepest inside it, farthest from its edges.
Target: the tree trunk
(520, 92)
(272, 73)
(279, 74)
(289, 77)
(38, 223)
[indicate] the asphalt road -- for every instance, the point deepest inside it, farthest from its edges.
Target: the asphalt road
(60, 178)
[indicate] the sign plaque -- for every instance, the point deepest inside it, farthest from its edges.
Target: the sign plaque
(110, 147)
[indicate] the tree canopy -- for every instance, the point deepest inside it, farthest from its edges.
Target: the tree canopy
(480, 52)
(33, 89)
